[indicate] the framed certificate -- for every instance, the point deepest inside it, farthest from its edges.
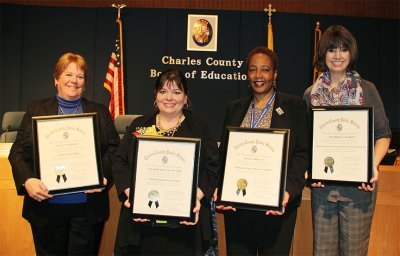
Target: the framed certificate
(67, 156)
(342, 144)
(254, 170)
(165, 176)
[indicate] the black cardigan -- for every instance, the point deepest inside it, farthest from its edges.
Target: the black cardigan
(294, 117)
(21, 159)
(194, 126)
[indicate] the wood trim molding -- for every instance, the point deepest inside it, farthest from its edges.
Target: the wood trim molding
(357, 8)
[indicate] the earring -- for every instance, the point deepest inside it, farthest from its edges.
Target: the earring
(155, 104)
(274, 84)
(186, 106)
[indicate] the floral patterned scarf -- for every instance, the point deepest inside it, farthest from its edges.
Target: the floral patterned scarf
(348, 91)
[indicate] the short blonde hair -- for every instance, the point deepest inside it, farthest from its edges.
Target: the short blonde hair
(67, 59)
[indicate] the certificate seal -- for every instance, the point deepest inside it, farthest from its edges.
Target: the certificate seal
(65, 135)
(329, 162)
(241, 186)
(153, 198)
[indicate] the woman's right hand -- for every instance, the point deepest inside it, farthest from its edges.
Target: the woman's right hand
(140, 220)
(317, 185)
(127, 203)
(221, 207)
(37, 190)
(225, 208)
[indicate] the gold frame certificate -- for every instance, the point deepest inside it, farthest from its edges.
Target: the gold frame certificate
(254, 170)
(67, 155)
(342, 144)
(164, 184)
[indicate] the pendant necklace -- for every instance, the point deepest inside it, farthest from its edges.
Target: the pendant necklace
(62, 110)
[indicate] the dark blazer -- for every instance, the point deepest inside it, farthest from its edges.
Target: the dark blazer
(21, 159)
(294, 117)
(194, 126)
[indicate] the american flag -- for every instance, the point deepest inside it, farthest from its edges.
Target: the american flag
(114, 81)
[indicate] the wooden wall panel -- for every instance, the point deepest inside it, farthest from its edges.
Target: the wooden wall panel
(357, 8)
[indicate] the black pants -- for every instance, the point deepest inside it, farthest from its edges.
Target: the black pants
(254, 233)
(164, 241)
(67, 232)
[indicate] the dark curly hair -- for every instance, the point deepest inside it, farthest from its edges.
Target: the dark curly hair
(264, 50)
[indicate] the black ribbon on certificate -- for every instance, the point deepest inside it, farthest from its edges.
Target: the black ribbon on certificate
(153, 197)
(59, 177)
(241, 186)
(329, 162)
(155, 203)
(60, 172)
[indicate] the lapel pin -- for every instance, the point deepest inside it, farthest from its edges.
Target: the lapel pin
(279, 111)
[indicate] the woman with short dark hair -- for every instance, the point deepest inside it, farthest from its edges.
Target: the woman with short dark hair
(342, 215)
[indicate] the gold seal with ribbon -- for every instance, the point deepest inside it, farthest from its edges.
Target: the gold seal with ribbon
(241, 186)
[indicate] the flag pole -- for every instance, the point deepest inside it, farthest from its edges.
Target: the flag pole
(317, 36)
(119, 7)
(114, 81)
(269, 12)
(119, 21)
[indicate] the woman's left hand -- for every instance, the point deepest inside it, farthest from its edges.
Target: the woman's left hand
(369, 188)
(284, 203)
(97, 190)
(140, 220)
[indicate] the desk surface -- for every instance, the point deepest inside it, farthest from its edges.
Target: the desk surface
(5, 149)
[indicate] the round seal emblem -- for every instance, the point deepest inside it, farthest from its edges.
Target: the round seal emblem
(65, 135)
(202, 32)
(153, 195)
(241, 186)
(329, 162)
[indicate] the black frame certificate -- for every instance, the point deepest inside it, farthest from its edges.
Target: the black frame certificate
(254, 169)
(67, 156)
(342, 144)
(165, 178)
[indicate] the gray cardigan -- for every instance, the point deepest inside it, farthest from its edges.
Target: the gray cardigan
(372, 98)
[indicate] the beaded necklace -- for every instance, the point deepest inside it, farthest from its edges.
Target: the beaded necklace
(169, 132)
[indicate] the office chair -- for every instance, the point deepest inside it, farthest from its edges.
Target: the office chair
(122, 122)
(10, 125)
